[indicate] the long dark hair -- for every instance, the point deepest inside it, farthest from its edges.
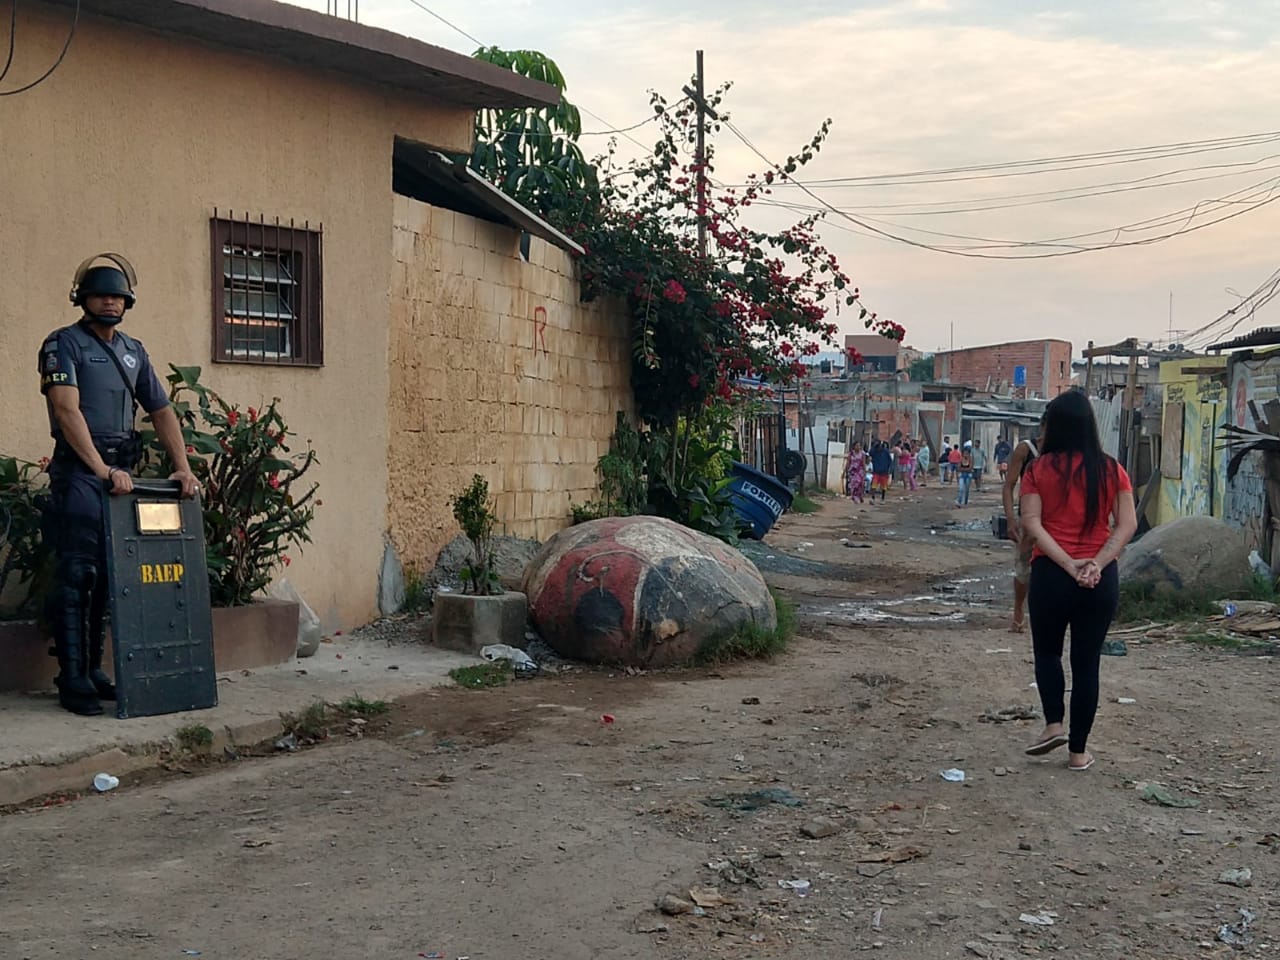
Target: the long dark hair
(1070, 430)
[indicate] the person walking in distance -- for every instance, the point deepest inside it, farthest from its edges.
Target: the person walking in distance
(856, 472)
(963, 460)
(94, 378)
(1019, 460)
(907, 466)
(881, 468)
(979, 464)
(922, 463)
(1002, 451)
(1077, 507)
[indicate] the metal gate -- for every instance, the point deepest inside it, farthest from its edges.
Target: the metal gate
(161, 625)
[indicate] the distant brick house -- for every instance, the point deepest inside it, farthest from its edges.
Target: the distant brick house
(1024, 368)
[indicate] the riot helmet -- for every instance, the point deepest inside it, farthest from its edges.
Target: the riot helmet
(105, 281)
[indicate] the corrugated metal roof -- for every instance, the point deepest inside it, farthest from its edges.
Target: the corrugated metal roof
(1262, 337)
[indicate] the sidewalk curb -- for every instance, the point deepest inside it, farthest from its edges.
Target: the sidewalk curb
(26, 782)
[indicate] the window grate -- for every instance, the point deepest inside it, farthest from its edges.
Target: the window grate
(267, 291)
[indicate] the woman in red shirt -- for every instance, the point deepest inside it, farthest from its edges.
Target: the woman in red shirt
(1077, 506)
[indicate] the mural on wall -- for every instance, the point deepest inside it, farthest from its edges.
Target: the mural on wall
(1193, 409)
(1245, 497)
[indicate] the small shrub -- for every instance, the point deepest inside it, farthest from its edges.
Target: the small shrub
(194, 737)
(481, 675)
(311, 725)
(592, 510)
(473, 510)
(255, 502)
(25, 559)
(753, 642)
(358, 706)
(416, 595)
(802, 504)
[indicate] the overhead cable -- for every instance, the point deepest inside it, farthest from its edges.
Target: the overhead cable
(75, 22)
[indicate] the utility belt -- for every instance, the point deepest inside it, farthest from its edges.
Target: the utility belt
(123, 451)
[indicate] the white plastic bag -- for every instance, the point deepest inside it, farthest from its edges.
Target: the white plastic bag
(308, 622)
(520, 660)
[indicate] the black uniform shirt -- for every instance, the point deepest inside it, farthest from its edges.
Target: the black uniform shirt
(75, 356)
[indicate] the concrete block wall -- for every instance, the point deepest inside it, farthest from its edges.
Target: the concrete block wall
(496, 369)
(1048, 364)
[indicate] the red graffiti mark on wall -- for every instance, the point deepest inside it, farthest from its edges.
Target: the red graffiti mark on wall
(540, 330)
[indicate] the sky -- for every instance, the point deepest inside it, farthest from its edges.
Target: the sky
(922, 85)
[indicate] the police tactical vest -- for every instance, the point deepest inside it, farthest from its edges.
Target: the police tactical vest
(107, 403)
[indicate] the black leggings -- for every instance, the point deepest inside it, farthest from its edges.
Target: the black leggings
(1055, 601)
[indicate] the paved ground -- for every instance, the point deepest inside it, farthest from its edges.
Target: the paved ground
(514, 823)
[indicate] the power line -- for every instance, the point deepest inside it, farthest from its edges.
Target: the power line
(75, 22)
(611, 129)
(1076, 161)
(972, 253)
(1066, 193)
(13, 37)
(1270, 184)
(605, 133)
(448, 23)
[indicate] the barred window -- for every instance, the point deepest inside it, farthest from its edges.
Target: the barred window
(267, 292)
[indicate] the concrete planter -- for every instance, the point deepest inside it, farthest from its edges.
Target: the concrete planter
(261, 634)
(465, 622)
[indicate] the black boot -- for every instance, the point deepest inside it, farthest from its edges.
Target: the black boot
(75, 690)
(97, 641)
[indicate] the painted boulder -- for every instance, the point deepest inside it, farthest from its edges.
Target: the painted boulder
(642, 592)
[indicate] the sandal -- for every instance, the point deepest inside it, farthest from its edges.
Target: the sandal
(1084, 766)
(1046, 745)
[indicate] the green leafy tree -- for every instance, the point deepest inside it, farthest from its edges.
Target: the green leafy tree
(532, 154)
(921, 370)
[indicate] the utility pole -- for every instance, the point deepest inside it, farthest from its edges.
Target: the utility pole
(1088, 371)
(704, 111)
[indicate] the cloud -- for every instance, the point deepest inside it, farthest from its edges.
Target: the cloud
(922, 84)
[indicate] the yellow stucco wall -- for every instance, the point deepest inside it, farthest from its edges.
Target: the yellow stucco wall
(497, 369)
(1198, 490)
(130, 146)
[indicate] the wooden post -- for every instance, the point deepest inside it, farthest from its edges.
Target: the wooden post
(1128, 452)
(1088, 371)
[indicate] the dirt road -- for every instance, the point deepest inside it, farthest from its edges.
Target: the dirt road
(514, 823)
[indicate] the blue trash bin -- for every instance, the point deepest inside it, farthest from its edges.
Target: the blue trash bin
(758, 499)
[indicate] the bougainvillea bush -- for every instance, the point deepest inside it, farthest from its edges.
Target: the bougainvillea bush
(757, 306)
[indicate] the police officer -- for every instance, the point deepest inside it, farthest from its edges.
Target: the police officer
(94, 378)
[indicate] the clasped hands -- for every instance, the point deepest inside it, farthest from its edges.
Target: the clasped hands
(1087, 572)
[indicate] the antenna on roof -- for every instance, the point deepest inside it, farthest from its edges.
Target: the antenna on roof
(332, 7)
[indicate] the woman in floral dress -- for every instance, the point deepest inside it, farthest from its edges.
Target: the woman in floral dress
(855, 472)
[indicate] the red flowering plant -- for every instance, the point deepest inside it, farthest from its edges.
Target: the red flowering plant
(756, 307)
(255, 506)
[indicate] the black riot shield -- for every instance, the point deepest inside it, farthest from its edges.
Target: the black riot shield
(161, 626)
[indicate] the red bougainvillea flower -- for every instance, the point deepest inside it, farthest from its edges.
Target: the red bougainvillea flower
(285, 559)
(786, 349)
(190, 448)
(694, 381)
(674, 292)
(233, 417)
(274, 482)
(253, 415)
